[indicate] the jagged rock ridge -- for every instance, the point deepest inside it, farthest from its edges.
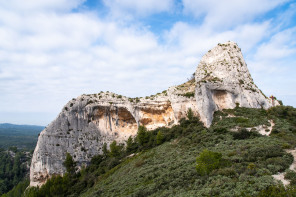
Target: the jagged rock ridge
(86, 123)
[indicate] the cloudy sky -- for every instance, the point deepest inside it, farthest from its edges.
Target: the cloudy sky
(54, 50)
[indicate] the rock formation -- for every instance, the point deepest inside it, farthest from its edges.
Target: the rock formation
(89, 121)
(222, 80)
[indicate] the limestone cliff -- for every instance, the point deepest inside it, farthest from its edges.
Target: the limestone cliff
(87, 122)
(223, 81)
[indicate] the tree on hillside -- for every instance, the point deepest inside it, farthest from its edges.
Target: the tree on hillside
(131, 146)
(142, 136)
(105, 150)
(69, 164)
(159, 138)
(115, 149)
(190, 114)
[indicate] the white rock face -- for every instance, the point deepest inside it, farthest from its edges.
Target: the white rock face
(89, 121)
(86, 123)
(223, 81)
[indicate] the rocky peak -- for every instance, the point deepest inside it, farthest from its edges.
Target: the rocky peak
(224, 62)
(222, 80)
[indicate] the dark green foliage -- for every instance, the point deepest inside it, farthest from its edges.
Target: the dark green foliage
(187, 94)
(285, 123)
(131, 146)
(207, 161)
(18, 190)
(220, 130)
(159, 138)
(115, 149)
(190, 114)
(241, 135)
(21, 136)
(69, 164)
(13, 168)
(241, 117)
(142, 136)
(105, 150)
(278, 191)
(291, 176)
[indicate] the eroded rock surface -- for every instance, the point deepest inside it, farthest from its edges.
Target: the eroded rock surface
(89, 121)
(221, 80)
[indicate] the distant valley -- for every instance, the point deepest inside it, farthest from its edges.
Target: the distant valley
(21, 136)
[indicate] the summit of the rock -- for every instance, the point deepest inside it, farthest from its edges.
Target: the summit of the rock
(224, 62)
(222, 80)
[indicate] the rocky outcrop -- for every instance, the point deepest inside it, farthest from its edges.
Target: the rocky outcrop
(89, 121)
(222, 80)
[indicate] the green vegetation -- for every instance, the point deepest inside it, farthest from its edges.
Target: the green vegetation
(291, 176)
(187, 94)
(190, 160)
(207, 161)
(16, 146)
(13, 169)
(21, 136)
(69, 164)
(18, 190)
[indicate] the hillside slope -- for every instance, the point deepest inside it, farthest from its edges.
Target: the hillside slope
(151, 165)
(169, 169)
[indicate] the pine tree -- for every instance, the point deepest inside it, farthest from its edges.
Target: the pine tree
(114, 149)
(105, 150)
(190, 114)
(142, 136)
(69, 164)
(159, 138)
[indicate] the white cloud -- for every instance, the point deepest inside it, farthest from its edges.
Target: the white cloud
(199, 39)
(227, 13)
(139, 8)
(281, 45)
(39, 6)
(48, 57)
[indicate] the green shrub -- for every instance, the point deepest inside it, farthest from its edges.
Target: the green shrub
(291, 175)
(207, 161)
(278, 191)
(241, 135)
(159, 138)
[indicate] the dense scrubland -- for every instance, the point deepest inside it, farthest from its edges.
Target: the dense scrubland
(228, 159)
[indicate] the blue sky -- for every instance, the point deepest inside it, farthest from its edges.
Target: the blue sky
(54, 50)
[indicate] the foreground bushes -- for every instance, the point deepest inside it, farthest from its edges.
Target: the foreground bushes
(73, 184)
(165, 163)
(207, 161)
